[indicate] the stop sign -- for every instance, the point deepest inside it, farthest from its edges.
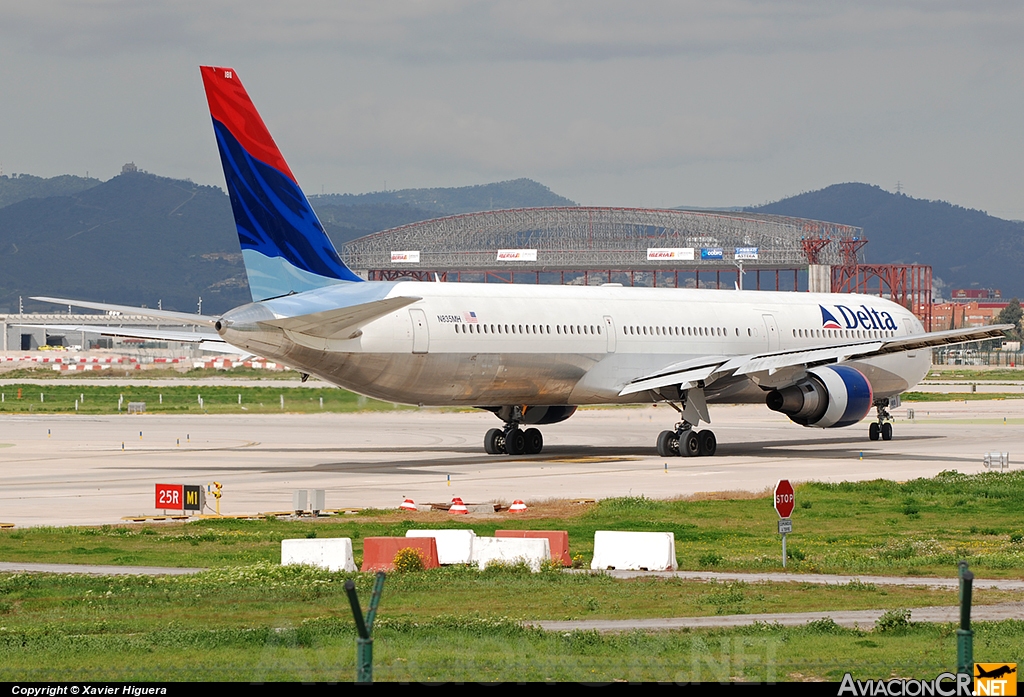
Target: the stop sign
(784, 498)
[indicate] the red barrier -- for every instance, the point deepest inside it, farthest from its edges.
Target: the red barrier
(558, 539)
(379, 552)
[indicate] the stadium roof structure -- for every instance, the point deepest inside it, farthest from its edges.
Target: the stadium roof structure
(580, 237)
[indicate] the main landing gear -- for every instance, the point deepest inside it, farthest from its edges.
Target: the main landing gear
(686, 441)
(883, 426)
(512, 440)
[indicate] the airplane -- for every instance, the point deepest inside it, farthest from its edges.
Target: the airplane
(532, 354)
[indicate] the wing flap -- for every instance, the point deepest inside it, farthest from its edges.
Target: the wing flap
(688, 373)
(342, 320)
(684, 378)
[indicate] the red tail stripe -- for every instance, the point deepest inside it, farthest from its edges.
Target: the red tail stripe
(230, 104)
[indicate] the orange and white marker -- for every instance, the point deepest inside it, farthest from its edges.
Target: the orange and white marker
(517, 506)
(458, 508)
(408, 505)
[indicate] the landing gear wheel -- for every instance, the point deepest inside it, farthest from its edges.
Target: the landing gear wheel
(494, 442)
(887, 431)
(707, 443)
(515, 442)
(689, 444)
(534, 441)
(874, 430)
(668, 444)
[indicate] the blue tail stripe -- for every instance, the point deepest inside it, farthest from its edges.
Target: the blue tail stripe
(273, 216)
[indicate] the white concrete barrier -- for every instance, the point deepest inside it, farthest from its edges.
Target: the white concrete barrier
(453, 546)
(332, 553)
(511, 550)
(648, 551)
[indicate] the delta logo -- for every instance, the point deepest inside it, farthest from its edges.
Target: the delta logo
(861, 318)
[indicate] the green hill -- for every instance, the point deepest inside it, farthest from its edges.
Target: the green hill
(965, 247)
(516, 193)
(135, 239)
(19, 187)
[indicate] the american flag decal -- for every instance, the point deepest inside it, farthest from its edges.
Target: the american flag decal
(470, 317)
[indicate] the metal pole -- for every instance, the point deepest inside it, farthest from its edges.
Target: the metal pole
(783, 550)
(964, 635)
(364, 642)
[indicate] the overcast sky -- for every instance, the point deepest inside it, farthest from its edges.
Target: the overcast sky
(721, 103)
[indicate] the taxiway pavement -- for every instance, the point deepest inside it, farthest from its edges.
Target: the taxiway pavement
(65, 470)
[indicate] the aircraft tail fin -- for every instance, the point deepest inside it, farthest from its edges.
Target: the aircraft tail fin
(284, 246)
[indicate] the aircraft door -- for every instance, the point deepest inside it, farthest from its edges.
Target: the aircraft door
(420, 333)
(771, 331)
(609, 327)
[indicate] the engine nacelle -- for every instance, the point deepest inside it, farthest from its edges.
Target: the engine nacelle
(829, 397)
(534, 416)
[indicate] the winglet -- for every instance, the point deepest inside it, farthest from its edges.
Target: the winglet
(284, 245)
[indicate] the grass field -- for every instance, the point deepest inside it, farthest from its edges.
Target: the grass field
(45, 372)
(974, 374)
(91, 398)
(958, 396)
(183, 399)
(250, 619)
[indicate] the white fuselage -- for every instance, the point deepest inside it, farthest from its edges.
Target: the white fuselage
(495, 344)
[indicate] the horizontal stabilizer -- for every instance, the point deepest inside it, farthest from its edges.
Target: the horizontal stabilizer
(163, 315)
(340, 321)
(134, 332)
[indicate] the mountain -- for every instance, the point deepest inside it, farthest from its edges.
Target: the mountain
(19, 187)
(965, 247)
(516, 193)
(139, 238)
(134, 239)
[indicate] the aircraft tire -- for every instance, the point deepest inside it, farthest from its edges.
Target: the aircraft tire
(689, 444)
(515, 442)
(668, 444)
(874, 430)
(887, 431)
(534, 441)
(491, 442)
(708, 442)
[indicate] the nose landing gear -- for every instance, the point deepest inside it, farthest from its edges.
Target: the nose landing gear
(882, 428)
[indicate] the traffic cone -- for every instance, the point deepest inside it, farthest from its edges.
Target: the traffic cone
(458, 508)
(517, 506)
(408, 504)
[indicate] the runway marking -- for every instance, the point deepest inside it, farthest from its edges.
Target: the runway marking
(584, 460)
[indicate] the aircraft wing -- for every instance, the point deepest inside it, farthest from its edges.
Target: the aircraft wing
(690, 373)
(166, 316)
(329, 323)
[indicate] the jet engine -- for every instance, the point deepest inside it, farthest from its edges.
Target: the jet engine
(829, 397)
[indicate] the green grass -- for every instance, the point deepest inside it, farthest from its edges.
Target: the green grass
(150, 372)
(182, 399)
(265, 622)
(958, 396)
(250, 619)
(920, 527)
(975, 374)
